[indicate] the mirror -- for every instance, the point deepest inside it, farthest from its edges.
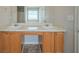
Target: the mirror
(27, 14)
(20, 14)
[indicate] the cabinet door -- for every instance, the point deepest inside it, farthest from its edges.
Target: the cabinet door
(46, 42)
(52, 42)
(59, 42)
(15, 42)
(4, 42)
(1, 42)
(10, 42)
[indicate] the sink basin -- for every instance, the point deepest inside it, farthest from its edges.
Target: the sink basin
(48, 27)
(14, 27)
(32, 28)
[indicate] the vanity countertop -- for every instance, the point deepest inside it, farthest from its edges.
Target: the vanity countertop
(31, 29)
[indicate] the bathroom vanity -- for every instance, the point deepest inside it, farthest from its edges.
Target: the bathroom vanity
(52, 40)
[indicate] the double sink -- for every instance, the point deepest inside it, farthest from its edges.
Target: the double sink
(31, 28)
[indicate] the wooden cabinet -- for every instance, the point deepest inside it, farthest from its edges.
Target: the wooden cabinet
(59, 42)
(46, 42)
(10, 42)
(15, 42)
(4, 42)
(53, 42)
(1, 42)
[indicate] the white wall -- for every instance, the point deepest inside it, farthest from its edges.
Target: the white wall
(50, 14)
(4, 16)
(64, 17)
(13, 14)
(7, 16)
(77, 29)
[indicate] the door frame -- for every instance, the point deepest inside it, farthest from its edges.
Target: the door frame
(76, 40)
